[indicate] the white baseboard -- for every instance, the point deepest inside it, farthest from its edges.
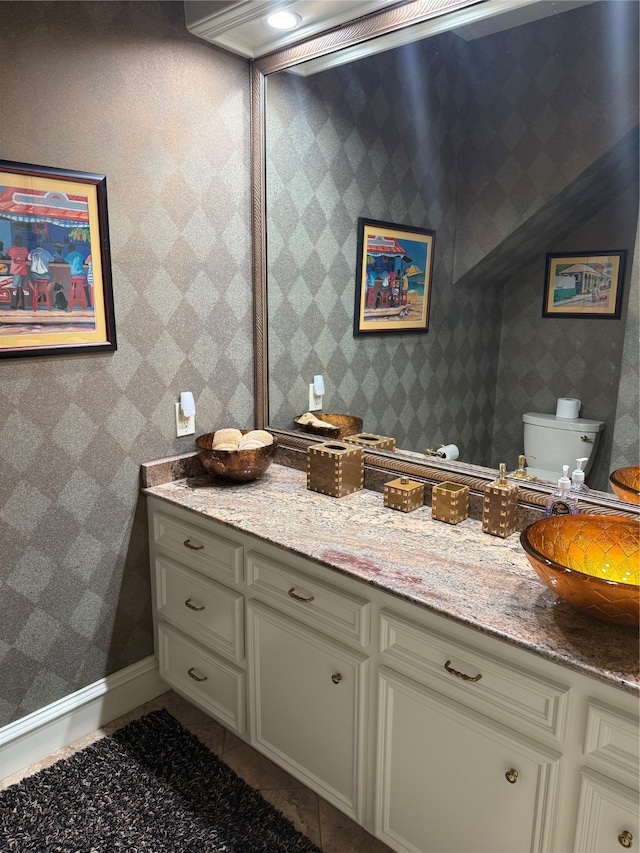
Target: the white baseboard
(49, 729)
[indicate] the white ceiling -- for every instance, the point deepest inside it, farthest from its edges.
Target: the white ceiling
(239, 25)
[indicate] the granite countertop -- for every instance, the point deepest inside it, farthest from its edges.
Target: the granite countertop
(457, 571)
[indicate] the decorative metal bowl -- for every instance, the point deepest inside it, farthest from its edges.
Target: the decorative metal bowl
(239, 466)
(591, 561)
(341, 425)
(625, 482)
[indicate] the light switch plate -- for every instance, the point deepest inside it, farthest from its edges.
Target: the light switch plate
(315, 400)
(184, 426)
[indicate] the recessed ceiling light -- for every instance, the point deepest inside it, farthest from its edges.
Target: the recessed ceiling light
(284, 20)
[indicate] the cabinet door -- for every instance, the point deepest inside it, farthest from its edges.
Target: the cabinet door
(608, 819)
(307, 705)
(447, 778)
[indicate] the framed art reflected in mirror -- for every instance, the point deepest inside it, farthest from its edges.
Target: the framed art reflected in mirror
(584, 284)
(393, 278)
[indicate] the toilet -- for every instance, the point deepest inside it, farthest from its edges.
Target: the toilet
(551, 442)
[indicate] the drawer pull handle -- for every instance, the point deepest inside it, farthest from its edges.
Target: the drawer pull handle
(187, 544)
(462, 675)
(336, 678)
(511, 776)
(299, 597)
(192, 606)
(626, 839)
(191, 674)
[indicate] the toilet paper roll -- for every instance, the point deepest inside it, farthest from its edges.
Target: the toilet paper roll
(568, 407)
(449, 451)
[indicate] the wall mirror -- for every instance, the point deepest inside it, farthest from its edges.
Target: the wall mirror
(511, 130)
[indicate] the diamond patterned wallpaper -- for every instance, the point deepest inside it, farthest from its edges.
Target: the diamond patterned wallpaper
(509, 146)
(122, 89)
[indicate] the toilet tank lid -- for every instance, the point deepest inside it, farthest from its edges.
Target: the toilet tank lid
(573, 424)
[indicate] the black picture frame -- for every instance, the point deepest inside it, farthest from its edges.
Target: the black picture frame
(584, 284)
(394, 273)
(56, 299)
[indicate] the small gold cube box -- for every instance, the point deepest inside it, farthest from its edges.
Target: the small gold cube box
(499, 510)
(450, 502)
(335, 468)
(368, 439)
(403, 494)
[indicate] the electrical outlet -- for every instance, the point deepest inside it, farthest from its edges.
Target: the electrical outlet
(315, 400)
(184, 426)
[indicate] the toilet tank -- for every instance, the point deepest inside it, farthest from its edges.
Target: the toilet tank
(551, 442)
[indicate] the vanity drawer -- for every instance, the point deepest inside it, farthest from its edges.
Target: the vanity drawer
(612, 742)
(311, 601)
(207, 552)
(207, 611)
(211, 683)
(491, 685)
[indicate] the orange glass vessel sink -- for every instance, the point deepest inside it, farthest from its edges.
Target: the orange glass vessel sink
(590, 561)
(625, 482)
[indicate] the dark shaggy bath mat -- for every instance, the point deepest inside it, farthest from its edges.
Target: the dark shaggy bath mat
(151, 786)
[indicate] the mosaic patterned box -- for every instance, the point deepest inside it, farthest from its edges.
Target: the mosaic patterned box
(403, 494)
(450, 502)
(368, 439)
(335, 468)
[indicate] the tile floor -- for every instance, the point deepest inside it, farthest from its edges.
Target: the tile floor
(328, 828)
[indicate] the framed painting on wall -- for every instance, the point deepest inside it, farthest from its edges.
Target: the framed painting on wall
(393, 278)
(584, 284)
(55, 266)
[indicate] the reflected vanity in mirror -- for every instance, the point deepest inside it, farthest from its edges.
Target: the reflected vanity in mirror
(511, 136)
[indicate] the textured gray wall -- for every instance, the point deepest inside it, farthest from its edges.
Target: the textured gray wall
(491, 143)
(122, 89)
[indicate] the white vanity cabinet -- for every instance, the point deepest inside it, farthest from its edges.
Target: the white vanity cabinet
(309, 678)
(608, 813)
(455, 770)
(432, 735)
(198, 611)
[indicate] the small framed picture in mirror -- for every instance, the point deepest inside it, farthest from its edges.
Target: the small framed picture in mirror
(393, 278)
(584, 284)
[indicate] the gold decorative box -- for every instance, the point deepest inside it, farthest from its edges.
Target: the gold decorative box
(403, 494)
(450, 502)
(335, 468)
(368, 439)
(500, 505)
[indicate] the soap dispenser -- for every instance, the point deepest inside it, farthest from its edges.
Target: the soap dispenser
(577, 478)
(500, 504)
(562, 502)
(521, 472)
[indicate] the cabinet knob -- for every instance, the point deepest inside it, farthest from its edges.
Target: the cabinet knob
(187, 544)
(626, 839)
(461, 675)
(191, 674)
(192, 606)
(511, 776)
(299, 597)
(336, 678)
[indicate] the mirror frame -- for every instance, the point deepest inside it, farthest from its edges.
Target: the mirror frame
(294, 444)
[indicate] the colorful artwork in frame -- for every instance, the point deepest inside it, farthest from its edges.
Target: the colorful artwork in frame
(393, 277)
(584, 284)
(55, 267)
